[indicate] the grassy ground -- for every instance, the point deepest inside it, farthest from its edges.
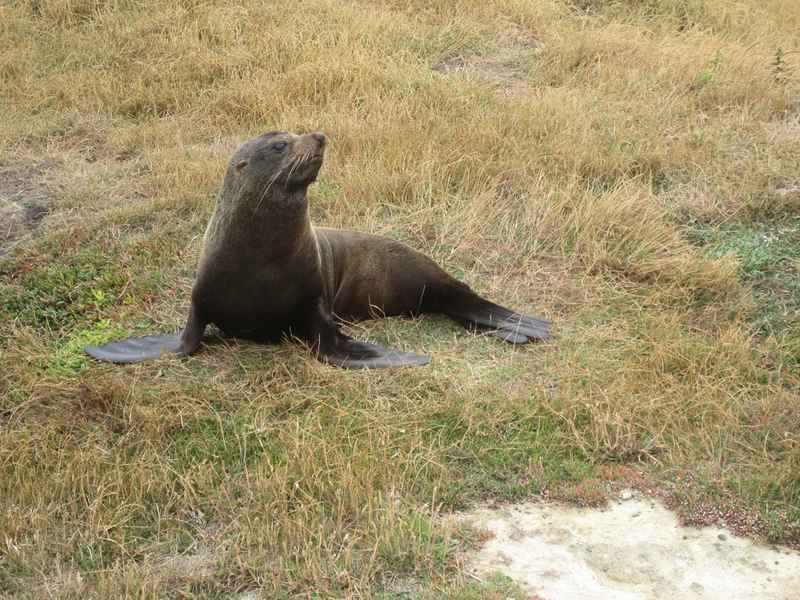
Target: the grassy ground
(628, 169)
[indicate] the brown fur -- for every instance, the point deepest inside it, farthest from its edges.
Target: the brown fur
(266, 272)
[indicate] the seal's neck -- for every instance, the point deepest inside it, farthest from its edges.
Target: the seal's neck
(277, 223)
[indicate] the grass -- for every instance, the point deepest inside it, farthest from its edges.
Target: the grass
(768, 255)
(628, 169)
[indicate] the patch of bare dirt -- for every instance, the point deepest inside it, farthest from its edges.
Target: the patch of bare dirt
(790, 189)
(198, 561)
(401, 585)
(634, 549)
(503, 67)
(486, 68)
(25, 198)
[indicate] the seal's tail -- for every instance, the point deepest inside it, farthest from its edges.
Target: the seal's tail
(473, 312)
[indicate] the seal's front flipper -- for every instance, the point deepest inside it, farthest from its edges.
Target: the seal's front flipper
(335, 348)
(139, 349)
(135, 350)
(352, 354)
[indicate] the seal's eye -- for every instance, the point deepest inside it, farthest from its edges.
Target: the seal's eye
(279, 146)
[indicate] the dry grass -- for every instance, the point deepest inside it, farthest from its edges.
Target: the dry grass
(609, 164)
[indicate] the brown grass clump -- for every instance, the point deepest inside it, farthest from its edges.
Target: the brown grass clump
(626, 168)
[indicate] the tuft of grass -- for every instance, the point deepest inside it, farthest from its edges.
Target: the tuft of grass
(55, 294)
(70, 359)
(759, 252)
(768, 255)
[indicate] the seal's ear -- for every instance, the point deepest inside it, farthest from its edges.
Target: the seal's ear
(241, 165)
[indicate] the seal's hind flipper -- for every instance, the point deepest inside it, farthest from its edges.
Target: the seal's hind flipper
(135, 350)
(517, 324)
(473, 312)
(352, 354)
(511, 337)
(509, 326)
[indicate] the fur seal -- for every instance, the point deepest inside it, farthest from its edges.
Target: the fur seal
(265, 272)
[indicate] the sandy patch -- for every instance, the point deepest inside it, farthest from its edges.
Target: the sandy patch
(635, 549)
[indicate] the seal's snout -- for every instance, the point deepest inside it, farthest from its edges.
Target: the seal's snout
(319, 137)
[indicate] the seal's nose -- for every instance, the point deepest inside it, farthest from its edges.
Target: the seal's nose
(320, 137)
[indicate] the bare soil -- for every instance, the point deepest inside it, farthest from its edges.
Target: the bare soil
(635, 549)
(24, 200)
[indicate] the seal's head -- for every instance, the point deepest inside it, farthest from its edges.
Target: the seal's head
(277, 161)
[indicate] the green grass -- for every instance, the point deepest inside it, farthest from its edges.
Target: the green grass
(69, 359)
(768, 255)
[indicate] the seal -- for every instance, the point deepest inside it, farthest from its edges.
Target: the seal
(266, 272)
